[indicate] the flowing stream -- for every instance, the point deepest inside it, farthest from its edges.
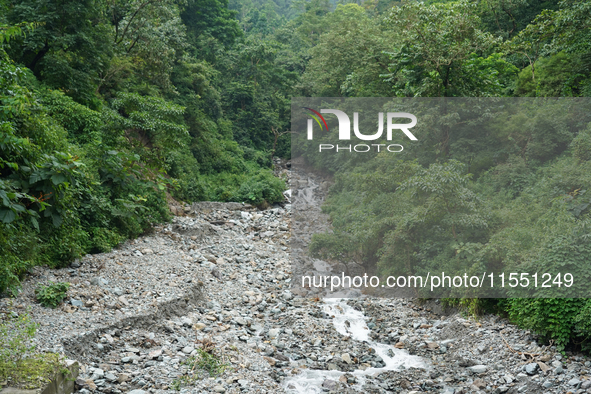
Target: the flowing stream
(347, 320)
(351, 322)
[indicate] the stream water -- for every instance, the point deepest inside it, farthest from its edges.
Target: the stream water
(347, 320)
(351, 322)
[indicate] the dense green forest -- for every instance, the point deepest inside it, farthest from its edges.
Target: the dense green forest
(111, 107)
(484, 189)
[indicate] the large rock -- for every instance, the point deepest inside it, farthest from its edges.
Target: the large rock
(329, 384)
(98, 281)
(478, 369)
(574, 382)
(346, 358)
(531, 368)
(61, 383)
(97, 374)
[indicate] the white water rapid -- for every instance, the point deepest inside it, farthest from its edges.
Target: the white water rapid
(351, 322)
(347, 320)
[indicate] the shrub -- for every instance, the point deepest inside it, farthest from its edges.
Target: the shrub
(583, 326)
(208, 362)
(552, 318)
(104, 239)
(208, 359)
(581, 144)
(53, 294)
(18, 247)
(261, 188)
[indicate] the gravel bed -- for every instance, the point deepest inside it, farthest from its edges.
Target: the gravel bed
(220, 277)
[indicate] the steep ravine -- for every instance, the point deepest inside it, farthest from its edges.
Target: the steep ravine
(222, 274)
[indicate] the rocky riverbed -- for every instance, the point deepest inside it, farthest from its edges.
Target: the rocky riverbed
(218, 279)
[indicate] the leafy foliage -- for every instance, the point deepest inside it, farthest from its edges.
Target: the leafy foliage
(515, 197)
(553, 318)
(208, 360)
(52, 295)
(441, 51)
(260, 189)
(107, 109)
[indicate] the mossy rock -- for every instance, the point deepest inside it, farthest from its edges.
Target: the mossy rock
(61, 382)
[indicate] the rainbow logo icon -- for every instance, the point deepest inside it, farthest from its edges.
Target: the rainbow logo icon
(313, 115)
